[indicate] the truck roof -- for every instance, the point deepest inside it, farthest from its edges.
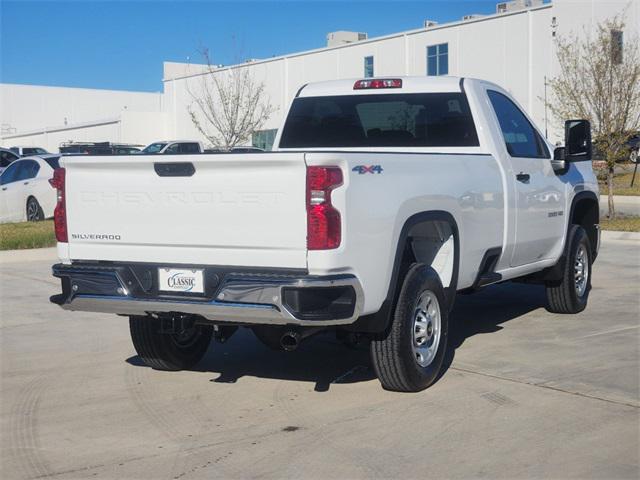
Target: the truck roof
(414, 84)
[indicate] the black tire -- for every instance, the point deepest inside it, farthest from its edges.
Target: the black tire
(564, 296)
(392, 353)
(169, 351)
(34, 210)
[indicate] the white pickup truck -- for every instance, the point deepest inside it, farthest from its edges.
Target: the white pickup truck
(383, 199)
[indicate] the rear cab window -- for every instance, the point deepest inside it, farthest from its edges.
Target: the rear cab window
(380, 120)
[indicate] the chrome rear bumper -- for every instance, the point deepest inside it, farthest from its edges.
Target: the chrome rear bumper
(239, 298)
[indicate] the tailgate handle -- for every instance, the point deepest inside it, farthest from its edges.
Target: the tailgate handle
(174, 169)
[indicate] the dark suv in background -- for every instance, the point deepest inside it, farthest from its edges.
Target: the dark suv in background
(99, 148)
(26, 151)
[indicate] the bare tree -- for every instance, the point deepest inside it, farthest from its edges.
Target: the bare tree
(599, 80)
(228, 105)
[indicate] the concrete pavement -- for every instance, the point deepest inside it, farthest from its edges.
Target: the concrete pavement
(527, 394)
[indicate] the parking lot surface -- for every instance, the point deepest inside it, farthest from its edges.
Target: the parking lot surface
(526, 394)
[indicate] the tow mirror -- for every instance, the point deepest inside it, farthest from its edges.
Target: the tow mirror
(577, 140)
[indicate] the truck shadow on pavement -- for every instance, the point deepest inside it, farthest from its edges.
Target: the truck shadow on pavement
(324, 360)
(487, 310)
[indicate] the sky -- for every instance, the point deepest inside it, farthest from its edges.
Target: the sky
(121, 44)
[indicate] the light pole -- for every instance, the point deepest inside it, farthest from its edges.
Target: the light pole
(546, 133)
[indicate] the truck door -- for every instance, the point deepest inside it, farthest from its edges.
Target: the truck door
(540, 194)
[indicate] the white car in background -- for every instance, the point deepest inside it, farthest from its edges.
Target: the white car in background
(25, 192)
(27, 151)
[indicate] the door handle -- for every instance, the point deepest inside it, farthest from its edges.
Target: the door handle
(523, 177)
(4, 188)
(26, 183)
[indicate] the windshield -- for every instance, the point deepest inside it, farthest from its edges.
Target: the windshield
(154, 148)
(383, 120)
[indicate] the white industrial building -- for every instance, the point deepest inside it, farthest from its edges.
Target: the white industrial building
(514, 48)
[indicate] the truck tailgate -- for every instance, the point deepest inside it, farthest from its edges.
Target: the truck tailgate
(233, 209)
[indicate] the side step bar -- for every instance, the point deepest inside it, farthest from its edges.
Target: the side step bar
(486, 272)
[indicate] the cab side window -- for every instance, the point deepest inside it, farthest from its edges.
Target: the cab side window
(520, 138)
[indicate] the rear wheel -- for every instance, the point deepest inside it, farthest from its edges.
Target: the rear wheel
(570, 294)
(179, 349)
(408, 357)
(34, 210)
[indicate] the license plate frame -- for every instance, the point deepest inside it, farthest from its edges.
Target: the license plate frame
(181, 280)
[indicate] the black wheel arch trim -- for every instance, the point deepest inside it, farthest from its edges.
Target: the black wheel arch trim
(577, 198)
(380, 321)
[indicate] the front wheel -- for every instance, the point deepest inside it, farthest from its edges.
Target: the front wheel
(570, 294)
(633, 156)
(179, 349)
(409, 356)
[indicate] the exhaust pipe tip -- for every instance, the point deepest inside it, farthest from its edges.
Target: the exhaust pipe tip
(290, 341)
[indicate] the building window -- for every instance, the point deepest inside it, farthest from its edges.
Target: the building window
(616, 46)
(368, 67)
(264, 139)
(438, 59)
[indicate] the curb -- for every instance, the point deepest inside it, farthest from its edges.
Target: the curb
(628, 199)
(28, 255)
(606, 235)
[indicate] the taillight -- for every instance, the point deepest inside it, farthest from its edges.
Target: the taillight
(60, 213)
(378, 83)
(323, 220)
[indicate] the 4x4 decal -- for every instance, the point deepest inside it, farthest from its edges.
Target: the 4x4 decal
(362, 169)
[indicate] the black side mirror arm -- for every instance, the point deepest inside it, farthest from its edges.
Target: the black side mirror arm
(558, 162)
